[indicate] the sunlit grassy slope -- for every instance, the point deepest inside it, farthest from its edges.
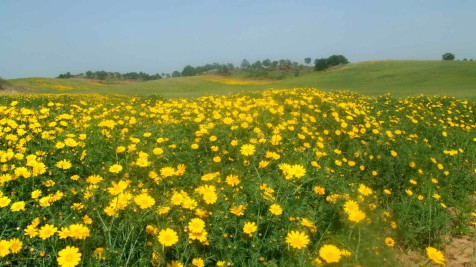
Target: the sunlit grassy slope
(400, 78)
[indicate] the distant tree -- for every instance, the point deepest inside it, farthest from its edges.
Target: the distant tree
(201, 69)
(143, 76)
(448, 56)
(66, 75)
(176, 73)
(131, 76)
(89, 74)
(188, 71)
(257, 65)
(320, 64)
(223, 70)
(335, 60)
(285, 64)
(245, 64)
(167, 75)
(215, 67)
(267, 62)
(307, 60)
(343, 60)
(100, 75)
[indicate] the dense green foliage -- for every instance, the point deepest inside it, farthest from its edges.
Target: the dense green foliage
(448, 56)
(221, 69)
(103, 75)
(325, 63)
(272, 70)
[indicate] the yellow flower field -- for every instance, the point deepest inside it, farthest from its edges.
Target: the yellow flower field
(231, 81)
(294, 177)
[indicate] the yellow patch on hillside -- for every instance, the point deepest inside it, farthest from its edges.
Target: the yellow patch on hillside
(231, 81)
(58, 87)
(97, 83)
(102, 84)
(74, 84)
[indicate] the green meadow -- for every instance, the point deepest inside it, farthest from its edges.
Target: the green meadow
(371, 78)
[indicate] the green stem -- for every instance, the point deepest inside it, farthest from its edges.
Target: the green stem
(106, 229)
(358, 246)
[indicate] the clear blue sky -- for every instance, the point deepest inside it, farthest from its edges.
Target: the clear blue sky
(48, 37)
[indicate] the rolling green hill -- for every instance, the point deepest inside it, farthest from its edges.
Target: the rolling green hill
(399, 78)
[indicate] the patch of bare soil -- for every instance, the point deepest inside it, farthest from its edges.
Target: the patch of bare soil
(410, 258)
(11, 92)
(459, 252)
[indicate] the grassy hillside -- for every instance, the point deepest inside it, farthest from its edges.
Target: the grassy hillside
(169, 88)
(400, 78)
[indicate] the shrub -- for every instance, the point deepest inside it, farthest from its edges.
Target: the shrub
(448, 56)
